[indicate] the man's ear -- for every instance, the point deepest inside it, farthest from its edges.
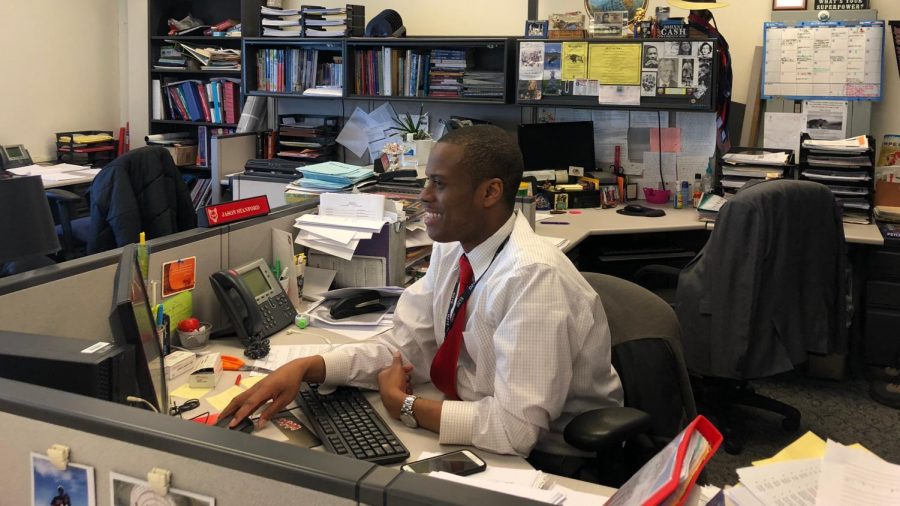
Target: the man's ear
(491, 191)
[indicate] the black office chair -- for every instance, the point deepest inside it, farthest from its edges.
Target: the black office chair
(767, 290)
(27, 235)
(646, 352)
(72, 228)
(140, 191)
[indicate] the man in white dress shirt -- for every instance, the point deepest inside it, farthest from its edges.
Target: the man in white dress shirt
(535, 343)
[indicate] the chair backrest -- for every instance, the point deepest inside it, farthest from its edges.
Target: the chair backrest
(140, 191)
(646, 352)
(769, 286)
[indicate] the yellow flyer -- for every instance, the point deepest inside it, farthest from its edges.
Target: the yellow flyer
(574, 60)
(615, 63)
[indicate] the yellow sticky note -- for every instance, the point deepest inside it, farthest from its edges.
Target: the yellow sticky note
(219, 401)
(808, 446)
(186, 391)
(249, 381)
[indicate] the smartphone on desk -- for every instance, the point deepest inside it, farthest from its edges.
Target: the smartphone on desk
(460, 462)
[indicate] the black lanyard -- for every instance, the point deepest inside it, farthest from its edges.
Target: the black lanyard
(457, 302)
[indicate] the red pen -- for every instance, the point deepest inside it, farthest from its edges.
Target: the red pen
(237, 381)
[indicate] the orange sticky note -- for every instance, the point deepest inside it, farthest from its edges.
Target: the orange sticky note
(669, 137)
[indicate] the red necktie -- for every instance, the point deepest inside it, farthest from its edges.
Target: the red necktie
(443, 367)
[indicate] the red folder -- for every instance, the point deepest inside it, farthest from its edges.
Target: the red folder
(668, 477)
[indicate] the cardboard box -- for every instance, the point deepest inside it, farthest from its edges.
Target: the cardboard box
(207, 371)
(887, 193)
(183, 155)
(178, 363)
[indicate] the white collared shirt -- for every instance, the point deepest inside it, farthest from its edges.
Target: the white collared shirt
(536, 344)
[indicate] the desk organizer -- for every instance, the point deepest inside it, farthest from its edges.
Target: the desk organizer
(86, 147)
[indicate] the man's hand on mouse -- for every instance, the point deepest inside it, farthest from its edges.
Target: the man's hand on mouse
(394, 385)
(280, 387)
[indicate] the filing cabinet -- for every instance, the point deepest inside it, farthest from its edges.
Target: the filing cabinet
(882, 319)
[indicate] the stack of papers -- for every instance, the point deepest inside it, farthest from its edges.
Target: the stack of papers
(332, 176)
(856, 144)
(813, 472)
(343, 220)
(757, 158)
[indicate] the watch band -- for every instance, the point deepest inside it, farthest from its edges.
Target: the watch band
(406, 411)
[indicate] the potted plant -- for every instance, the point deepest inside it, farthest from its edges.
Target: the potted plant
(417, 142)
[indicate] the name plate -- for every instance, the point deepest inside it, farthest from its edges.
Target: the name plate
(237, 210)
(679, 31)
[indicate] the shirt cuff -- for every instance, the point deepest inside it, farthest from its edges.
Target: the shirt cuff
(337, 368)
(457, 418)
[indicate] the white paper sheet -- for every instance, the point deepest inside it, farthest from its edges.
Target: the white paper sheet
(782, 131)
(650, 177)
(345, 252)
(791, 482)
(698, 132)
(619, 95)
(59, 176)
(317, 280)
(365, 206)
(353, 135)
(648, 119)
(825, 119)
(853, 477)
(336, 221)
(281, 354)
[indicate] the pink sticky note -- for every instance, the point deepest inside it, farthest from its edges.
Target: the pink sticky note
(670, 137)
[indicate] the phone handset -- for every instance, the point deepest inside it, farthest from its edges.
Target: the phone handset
(242, 310)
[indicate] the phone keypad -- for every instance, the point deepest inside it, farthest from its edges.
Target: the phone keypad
(277, 313)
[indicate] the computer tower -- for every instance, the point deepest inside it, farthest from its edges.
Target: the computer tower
(101, 370)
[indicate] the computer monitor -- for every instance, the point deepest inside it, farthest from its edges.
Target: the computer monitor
(132, 323)
(557, 145)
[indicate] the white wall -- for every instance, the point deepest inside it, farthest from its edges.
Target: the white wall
(61, 70)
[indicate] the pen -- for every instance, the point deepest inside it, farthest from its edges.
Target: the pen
(159, 315)
(277, 268)
(237, 381)
(553, 222)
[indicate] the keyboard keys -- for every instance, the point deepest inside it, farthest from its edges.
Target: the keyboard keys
(348, 425)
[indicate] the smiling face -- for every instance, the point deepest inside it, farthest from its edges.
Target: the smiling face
(453, 199)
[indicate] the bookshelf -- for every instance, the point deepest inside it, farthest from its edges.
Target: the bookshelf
(218, 87)
(282, 67)
(430, 69)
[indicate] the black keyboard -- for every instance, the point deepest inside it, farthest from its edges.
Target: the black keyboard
(348, 425)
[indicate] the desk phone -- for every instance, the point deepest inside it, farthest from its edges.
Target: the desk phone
(254, 300)
(14, 156)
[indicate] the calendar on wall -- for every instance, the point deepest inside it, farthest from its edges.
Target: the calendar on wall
(823, 61)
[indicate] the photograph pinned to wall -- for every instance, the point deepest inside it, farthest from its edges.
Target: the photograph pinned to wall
(551, 79)
(586, 87)
(49, 485)
(648, 84)
(685, 48)
(825, 119)
(125, 491)
(652, 52)
(672, 48)
(705, 50)
(608, 24)
(669, 74)
(531, 70)
(551, 85)
(536, 28)
(688, 73)
(704, 78)
(530, 90)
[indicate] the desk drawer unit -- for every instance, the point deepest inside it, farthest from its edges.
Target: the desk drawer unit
(882, 320)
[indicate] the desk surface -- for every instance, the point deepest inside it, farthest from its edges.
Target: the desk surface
(416, 440)
(56, 176)
(597, 221)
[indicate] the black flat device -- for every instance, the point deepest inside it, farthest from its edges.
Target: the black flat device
(368, 301)
(639, 210)
(245, 425)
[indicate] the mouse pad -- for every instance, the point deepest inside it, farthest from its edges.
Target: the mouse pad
(643, 211)
(296, 431)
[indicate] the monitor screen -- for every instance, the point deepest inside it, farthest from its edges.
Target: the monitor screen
(557, 145)
(132, 323)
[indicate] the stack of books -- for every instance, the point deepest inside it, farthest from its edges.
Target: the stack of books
(482, 84)
(742, 165)
(846, 167)
(279, 22)
(448, 67)
(170, 58)
(298, 70)
(210, 58)
(391, 71)
(215, 101)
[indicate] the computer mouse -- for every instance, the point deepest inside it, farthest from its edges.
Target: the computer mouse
(245, 425)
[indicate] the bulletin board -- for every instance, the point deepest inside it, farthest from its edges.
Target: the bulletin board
(838, 60)
(621, 73)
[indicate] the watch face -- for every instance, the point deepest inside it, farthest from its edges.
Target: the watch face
(409, 420)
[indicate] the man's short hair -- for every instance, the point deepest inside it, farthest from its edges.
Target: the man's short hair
(489, 152)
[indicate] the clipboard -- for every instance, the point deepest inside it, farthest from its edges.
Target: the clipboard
(664, 478)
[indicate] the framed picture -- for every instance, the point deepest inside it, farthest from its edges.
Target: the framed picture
(536, 29)
(788, 5)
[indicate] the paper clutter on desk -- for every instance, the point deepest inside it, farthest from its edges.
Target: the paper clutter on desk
(344, 219)
(178, 363)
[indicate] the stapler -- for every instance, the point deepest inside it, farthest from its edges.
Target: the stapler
(368, 301)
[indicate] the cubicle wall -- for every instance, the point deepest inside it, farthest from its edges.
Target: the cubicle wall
(233, 467)
(73, 299)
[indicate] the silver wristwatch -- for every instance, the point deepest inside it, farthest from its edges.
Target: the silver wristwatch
(406, 412)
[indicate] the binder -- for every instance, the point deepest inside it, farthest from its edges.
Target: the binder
(665, 479)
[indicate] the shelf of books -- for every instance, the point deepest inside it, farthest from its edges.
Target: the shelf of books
(430, 69)
(847, 168)
(309, 68)
(617, 73)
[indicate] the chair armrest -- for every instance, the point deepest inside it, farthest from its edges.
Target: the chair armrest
(602, 428)
(655, 276)
(58, 195)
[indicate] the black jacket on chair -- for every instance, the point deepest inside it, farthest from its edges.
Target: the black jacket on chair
(140, 191)
(769, 286)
